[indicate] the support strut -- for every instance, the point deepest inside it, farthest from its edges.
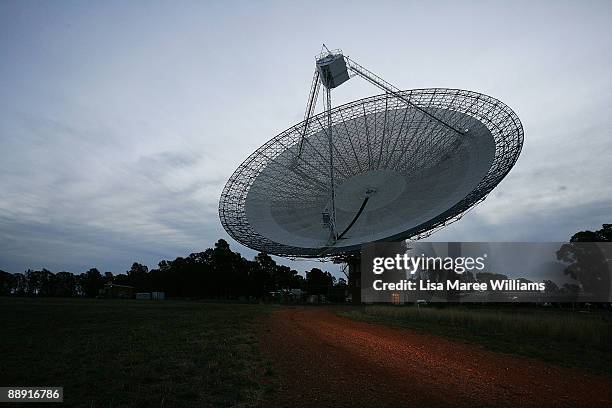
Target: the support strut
(387, 87)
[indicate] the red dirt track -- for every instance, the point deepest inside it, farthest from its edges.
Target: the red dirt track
(324, 360)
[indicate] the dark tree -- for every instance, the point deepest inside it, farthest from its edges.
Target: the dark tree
(587, 261)
(65, 284)
(21, 285)
(319, 282)
(47, 283)
(261, 275)
(32, 282)
(602, 235)
(7, 283)
(551, 287)
(90, 283)
(339, 292)
(138, 277)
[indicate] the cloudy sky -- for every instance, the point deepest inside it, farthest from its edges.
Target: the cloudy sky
(121, 121)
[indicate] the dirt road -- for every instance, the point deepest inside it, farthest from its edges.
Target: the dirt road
(326, 360)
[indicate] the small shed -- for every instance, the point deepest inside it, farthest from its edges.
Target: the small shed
(158, 295)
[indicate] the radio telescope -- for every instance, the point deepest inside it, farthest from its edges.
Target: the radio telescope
(390, 167)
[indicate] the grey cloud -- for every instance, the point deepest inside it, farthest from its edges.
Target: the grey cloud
(115, 144)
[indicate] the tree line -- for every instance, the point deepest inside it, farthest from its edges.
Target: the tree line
(223, 274)
(217, 272)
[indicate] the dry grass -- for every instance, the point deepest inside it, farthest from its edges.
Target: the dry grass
(566, 337)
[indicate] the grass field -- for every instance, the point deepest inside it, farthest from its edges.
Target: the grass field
(135, 353)
(127, 353)
(565, 337)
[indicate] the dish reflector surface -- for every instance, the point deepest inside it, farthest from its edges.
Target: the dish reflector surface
(417, 173)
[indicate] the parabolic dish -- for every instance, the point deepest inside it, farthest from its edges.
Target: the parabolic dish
(417, 173)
